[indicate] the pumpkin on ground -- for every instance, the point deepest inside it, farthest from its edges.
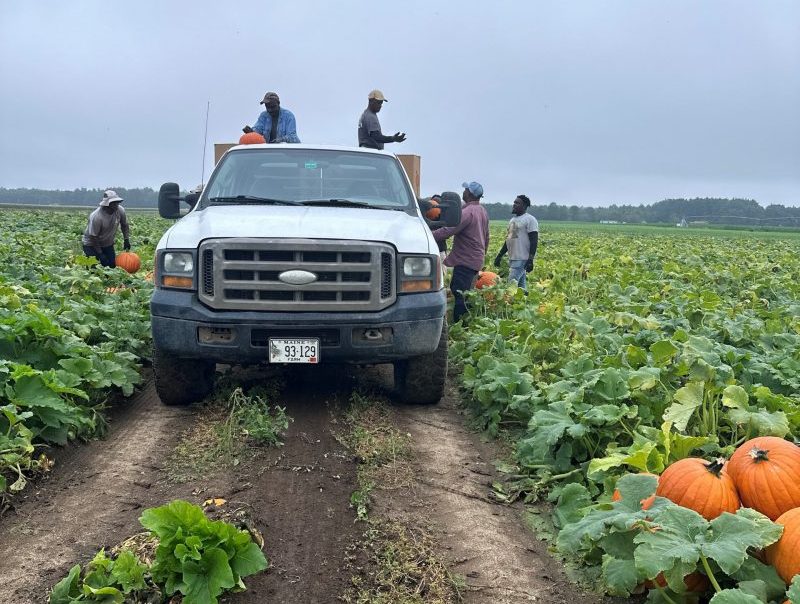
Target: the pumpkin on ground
(766, 471)
(646, 503)
(699, 485)
(784, 554)
(251, 138)
(486, 279)
(128, 261)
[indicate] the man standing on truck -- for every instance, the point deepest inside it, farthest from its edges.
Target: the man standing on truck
(369, 127)
(521, 242)
(470, 242)
(276, 125)
(98, 238)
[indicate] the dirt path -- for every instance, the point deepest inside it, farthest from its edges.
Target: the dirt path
(298, 496)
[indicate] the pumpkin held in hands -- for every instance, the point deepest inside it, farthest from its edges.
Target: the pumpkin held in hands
(766, 471)
(251, 138)
(486, 279)
(129, 262)
(434, 212)
(699, 485)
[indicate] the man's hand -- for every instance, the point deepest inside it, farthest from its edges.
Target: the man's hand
(529, 265)
(126, 244)
(498, 260)
(399, 137)
(247, 129)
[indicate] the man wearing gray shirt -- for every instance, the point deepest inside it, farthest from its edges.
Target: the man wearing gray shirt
(98, 238)
(521, 242)
(369, 127)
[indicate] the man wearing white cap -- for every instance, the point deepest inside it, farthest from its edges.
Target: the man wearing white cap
(369, 127)
(98, 238)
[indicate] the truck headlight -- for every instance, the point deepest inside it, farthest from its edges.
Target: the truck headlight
(419, 274)
(177, 270)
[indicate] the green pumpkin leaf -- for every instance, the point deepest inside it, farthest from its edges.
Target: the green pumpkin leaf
(620, 576)
(686, 401)
(734, 596)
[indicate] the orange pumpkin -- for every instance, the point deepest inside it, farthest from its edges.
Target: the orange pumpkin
(784, 554)
(251, 138)
(646, 503)
(695, 582)
(766, 471)
(486, 279)
(434, 212)
(129, 261)
(702, 486)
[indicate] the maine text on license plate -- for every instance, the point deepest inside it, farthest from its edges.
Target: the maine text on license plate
(294, 350)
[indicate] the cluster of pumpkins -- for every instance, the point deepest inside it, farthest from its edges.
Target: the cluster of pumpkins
(762, 474)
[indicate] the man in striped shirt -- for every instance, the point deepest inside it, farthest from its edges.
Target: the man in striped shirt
(98, 238)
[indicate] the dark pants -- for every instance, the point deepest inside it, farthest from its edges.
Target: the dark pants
(107, 258)
(461, 281)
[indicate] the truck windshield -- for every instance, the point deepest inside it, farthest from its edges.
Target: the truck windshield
(309, 177)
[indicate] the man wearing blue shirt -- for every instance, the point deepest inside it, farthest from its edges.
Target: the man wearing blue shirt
(276, 125)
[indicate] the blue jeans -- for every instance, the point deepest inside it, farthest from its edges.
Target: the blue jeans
(461, 281)
(516, 272)
(107, 258)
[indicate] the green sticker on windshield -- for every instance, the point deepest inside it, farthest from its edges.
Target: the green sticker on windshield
(310, 165)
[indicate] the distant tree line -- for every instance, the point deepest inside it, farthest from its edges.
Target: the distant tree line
(135, 198)
(743, 212)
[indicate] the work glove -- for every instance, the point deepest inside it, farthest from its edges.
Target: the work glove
(126, 244)
(529, 265)
(498, 260)
(399, 137)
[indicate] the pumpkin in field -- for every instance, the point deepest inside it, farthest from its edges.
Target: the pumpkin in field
(784, 554)
(129, 262)
(695, 582)
(434, 212)
(646, 503)
(486, 279)
(699, 485)
(766, 471)
(251, 138)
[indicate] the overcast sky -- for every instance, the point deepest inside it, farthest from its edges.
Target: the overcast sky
(579, 102)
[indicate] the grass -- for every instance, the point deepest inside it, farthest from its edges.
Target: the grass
(393, 563)
(226, 430)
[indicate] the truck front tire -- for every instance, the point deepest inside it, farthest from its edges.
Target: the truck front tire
(420, 380)
(182, 381)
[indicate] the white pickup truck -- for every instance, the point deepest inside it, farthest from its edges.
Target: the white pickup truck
(300, 254)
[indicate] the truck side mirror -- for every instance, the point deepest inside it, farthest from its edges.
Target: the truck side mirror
(450, 206)
(169, 198)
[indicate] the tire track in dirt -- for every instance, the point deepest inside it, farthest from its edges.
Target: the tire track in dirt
(91, 499)
(489, 544)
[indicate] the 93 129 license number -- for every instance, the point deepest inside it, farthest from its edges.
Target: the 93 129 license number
(294, 350)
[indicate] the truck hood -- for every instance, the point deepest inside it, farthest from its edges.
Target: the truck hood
(408, 234)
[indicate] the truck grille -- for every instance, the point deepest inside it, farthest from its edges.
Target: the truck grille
(244, 274)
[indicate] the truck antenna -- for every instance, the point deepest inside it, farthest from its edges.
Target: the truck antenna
(205, 143)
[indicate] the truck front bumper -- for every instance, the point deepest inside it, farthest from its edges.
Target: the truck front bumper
(187, 329)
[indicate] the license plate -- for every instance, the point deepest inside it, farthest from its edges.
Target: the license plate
(294, 350)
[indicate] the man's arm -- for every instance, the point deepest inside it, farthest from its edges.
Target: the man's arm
(290, 134)
(447, 232)
(126, 230)
(260, 123)
(533, 239)
(500, 254)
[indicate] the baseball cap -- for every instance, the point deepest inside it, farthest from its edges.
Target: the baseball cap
(377, 95)
(270, 96)
(110, 197)
(474, 187)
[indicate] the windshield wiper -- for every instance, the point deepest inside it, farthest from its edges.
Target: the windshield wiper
(344, 203)
(254, 200)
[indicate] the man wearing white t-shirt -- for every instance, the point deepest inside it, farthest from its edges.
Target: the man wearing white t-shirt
(521, 242)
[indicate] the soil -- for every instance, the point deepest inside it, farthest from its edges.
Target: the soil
(297, 496)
